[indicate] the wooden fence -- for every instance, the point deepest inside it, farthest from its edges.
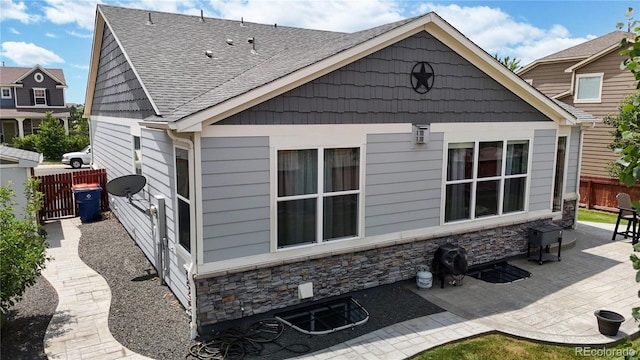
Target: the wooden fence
(58, 197)
(600, 193)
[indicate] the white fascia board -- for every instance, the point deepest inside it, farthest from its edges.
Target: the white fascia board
(38, 67)
(302, 76)
(536, 63)
(591, 58)
(126, 56)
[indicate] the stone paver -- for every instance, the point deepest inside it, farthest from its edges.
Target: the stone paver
(555, 305)
(79, 328)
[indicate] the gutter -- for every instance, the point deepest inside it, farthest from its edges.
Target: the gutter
(192, 270)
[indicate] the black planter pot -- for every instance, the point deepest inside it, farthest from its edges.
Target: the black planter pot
(608, 322)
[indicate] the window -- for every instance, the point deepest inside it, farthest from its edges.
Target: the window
(588, 87)
(182, 195)
(6, 93)
(40, 96)
(559, 177)
(137, 155)
(318, 195)
(485, 179)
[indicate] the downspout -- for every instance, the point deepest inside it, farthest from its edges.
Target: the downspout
(192, 271)
(579, 172)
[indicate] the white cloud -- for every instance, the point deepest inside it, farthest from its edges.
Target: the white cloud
(80, 35)
(50, 35)
(16, 11)
(28, 54)
(14, 31)
(60, 12)
(498, 32)
(82, 67)
(334, 15)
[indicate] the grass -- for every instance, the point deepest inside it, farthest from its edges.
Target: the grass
(598, 216)
(504, 347)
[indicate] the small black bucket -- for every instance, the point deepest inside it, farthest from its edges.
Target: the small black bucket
(608, 322)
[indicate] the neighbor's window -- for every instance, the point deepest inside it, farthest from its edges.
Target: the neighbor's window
(588, 87)
(318, 195)
(182, 195)
(137, 155)
(6, 93)
(40, 96)
(485, 178)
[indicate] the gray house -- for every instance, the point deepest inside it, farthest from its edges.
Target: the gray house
(26, 94)
(298, 164)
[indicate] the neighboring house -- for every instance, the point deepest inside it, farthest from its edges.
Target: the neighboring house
(16, 166)
(289, 156)
(588, 77)
(27, 94)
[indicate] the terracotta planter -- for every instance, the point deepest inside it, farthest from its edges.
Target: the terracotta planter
(608, 322)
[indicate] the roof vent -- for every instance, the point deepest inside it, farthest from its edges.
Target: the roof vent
(275, 26)
(241, 21)
(149, 22)
(229, 42)
(201, 15)
(252, 41)
(209, 53)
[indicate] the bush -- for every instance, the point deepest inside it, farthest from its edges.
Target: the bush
(22, 247)
(26, 143)
(77, 142)
(51, 139)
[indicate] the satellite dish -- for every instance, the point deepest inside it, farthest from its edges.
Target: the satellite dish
(127, 185)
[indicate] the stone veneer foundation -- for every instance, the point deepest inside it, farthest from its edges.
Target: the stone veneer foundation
(262, 289)
(569, 213)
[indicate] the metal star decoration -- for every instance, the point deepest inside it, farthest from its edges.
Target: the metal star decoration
(422, 80)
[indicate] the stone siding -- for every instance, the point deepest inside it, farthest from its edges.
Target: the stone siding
(259, 290)
(569, 213)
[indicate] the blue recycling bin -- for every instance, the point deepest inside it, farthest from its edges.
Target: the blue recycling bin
(88, 198)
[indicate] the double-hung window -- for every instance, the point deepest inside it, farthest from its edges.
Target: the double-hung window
(182, 194)
(6, 93)
(588, 87)
(318, 195)
(40, 96)
(485, 178)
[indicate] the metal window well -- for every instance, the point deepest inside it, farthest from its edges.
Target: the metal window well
(326, 317)
(498, 273)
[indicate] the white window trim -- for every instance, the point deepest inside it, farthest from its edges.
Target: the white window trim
(38, 77)
(575, 95)
(139, 152)
(35, 104)
(2, 93)
(562, 132)
(474, 180)
(320, 195)
(184, 253)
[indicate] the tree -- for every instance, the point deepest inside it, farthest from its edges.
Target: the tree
(51, 140)
(511, 64)
(22, 246)
(78, 125)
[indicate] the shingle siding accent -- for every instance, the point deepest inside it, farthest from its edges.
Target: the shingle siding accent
(377, 89)
(24, 95)
(118, 92)
(544, 145)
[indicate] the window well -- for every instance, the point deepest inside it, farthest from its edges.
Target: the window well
(325, 317)
(498, 273)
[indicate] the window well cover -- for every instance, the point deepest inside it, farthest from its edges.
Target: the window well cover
(325, 317)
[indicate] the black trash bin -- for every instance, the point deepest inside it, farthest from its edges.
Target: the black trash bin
(88, 198)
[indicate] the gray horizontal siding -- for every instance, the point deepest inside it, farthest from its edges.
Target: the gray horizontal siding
(573, 162)
(377, 89)
(403, 183)
(235, 197)
(544, 144)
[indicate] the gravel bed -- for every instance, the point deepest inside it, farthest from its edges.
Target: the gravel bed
(22, 335)
(148, 319)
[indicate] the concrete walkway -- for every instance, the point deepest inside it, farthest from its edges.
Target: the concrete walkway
(79, 328)
(555, 305)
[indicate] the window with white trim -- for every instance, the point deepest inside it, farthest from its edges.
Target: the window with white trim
(318, 197)
(182, 197)
(485, 178)
(137, 155)
(40, 96)
(588, 87)
(6, 93)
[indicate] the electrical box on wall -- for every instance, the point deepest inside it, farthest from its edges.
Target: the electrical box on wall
(422, 134)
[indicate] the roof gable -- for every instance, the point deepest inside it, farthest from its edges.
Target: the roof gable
(239, 74)
(11, 75)
(23, 158)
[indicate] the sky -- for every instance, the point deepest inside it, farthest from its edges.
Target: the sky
(59, 33)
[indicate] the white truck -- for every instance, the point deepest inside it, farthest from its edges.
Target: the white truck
(78, 158)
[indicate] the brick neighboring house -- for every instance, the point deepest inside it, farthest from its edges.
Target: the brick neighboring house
(588, 77)
(26, 95)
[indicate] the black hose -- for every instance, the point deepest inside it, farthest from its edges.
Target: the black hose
(234, 344)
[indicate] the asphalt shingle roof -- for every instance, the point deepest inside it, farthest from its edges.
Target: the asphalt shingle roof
(169, 55)
(9, 74)
(588, 48)
(581, 116)
(33, 158)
